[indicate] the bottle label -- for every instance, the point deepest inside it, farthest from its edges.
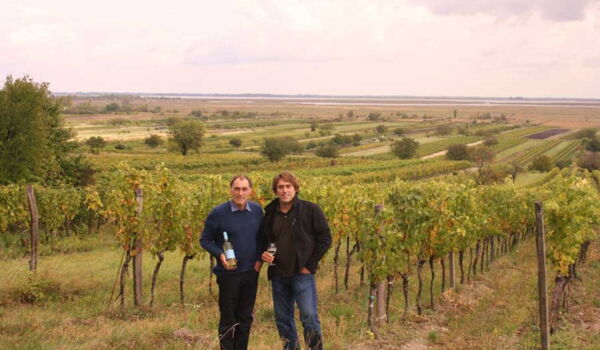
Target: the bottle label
(229, 254)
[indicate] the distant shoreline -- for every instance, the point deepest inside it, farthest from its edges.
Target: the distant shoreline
(355, 100)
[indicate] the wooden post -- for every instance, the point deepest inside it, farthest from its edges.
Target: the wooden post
(137, 258)
(372, 323)
(381, 302)
(541, 255)
(34, 228)
(381, 292)
(452, 270)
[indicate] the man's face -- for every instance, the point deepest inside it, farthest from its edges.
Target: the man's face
(285, 191)
(240, 192)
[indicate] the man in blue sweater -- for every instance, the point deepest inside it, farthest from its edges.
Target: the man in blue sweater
(242, 220)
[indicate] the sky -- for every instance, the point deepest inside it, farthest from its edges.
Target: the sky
(500, 48)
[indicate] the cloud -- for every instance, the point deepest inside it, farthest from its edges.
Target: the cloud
(414, 47)
(554, 10)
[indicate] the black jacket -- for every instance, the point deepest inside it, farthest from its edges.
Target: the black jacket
(312, 236)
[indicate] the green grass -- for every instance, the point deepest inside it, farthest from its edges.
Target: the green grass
(65, 306)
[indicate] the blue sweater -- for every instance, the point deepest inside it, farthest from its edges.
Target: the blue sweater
(244, 230)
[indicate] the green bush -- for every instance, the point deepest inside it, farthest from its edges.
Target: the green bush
(542, 163)
(34, 289)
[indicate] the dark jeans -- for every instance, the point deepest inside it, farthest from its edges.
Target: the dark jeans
(237, 294)
(300, 289)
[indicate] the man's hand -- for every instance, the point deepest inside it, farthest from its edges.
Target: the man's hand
(224, 263)
(257, 266)
(267, 257)
(305, 271)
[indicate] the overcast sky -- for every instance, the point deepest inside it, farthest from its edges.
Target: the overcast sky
(529, 48)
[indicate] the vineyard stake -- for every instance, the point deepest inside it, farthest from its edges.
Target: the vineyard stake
(452, 271)
(381, 287)
(541, 256)
(34, 228)
(137, 259)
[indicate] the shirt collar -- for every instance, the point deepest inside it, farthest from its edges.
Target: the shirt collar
(235, 208)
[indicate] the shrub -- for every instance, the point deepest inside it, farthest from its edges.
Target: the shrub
(276, 148)
(187, 135)
(95, 143)
(589, 160)
(490, 141)
(327, 151)
(443, 130)
(112, 107)
(541, 163)
(380, 129)
(35, 289)
(235, 142)
(565, 163)
(153, 141)
(405, 148)
(458, 151)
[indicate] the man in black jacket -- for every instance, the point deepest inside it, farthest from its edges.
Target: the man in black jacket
(302, 236)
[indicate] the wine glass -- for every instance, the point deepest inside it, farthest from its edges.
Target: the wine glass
(272, 250)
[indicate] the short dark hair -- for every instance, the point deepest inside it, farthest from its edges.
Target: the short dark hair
(243, 177)
(287, 177)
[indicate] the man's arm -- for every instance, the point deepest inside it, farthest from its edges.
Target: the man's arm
(210, 235)
(209, 238)
(322, 235)
(261, 242)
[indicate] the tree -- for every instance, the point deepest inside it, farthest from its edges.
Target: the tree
(196, 113)
(490, 141)
(586, 133)
(373, 116)
(481, 155)
(443, 130)
(276, 148)
(350, 114)
(111, 107)
(313, 125)
(235, 142)
(589, 160)
(514, 170)
(327, 127)
(95, 143)
(187, 135)
(153, 141)
(35, 145)
(380, 129)
(458, 151)
(405, 148)
(327, 151)
(563, 163)
(398, 131)
(592, 144)
(463, 131)
(342, 140)
(541, 163)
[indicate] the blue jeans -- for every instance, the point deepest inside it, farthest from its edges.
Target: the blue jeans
(300, 289)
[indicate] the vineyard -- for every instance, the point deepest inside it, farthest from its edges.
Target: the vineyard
(118, 264)
(417, 223)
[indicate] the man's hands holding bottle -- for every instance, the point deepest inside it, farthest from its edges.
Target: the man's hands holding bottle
(225, 264)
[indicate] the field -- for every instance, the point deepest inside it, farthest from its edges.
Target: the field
(71, 302)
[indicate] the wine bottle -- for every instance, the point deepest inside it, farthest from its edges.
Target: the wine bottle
(229, 253)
